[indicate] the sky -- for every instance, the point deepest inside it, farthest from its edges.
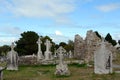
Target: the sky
(59, 19)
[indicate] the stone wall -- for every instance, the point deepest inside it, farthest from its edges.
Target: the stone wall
(23, 60)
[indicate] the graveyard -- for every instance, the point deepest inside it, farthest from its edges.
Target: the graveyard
(59, 40)
(93, 58)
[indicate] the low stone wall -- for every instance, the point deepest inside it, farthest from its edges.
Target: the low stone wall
(27, 60)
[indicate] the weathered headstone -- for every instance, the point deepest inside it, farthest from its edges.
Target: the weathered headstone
(12, 59)
(61, 68)
(48, 53)
(3, 64)
(39, 53)
(70, 54)
(55, 53)
(1, 72)
(102, 59)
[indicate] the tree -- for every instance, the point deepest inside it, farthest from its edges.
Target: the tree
(4, 49)
(63, 44)
(110, 40)
(119, 41)
(98, 34)
(108, 37)
(43, 45)
(70, 46)
(26, 45)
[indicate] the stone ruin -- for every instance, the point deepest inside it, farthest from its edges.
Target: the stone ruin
(84, 49)
(61, 68)
(79, 47)
(12, 59)
(103, 59)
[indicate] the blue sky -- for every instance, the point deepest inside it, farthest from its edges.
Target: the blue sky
(59, 19)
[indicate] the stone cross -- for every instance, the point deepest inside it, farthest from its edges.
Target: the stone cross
(48, 45)
(55, 53)
(39, 53)
(39, 42)
(61, 68)
(70, 54)
(48, 54)
(12, 46)
(60, 52)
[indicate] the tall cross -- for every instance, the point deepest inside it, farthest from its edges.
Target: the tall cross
(12, 46)
(48, 45)
(39, 42)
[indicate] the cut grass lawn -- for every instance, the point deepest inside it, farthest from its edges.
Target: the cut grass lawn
(40, 72)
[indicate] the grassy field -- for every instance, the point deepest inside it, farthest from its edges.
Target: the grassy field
(46, 72)
(38, 72)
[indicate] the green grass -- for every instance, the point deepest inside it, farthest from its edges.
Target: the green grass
(46, 72)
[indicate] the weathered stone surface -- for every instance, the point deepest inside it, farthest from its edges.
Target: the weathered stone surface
(12, 58)
(61, 68)
(84, 49)
(48, 53)
(103, 59)
(79, 47)
(28, 60)
(91, 43)
(39, 53)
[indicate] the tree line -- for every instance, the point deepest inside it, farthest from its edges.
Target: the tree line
(26, 45)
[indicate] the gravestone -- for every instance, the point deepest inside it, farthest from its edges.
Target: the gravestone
(55, 53)
(102, 59)
(12, 59)
(39, 53)
(1, 73)
(70, 54)
(3, 65)
(61, 68)
(48, 53)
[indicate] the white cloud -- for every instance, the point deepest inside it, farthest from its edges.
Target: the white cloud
(40, 8)
(117, 36)
(9, 34)
(7, 40)
(60, 38)
(10, 30)
(109, 7)
(58, 32)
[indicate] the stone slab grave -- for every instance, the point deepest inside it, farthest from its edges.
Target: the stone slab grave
(39, 53)
(12, 59)
(102, 59)
(70, 54)
(61, 68)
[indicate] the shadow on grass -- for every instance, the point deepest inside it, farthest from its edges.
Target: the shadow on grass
(78, 65)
